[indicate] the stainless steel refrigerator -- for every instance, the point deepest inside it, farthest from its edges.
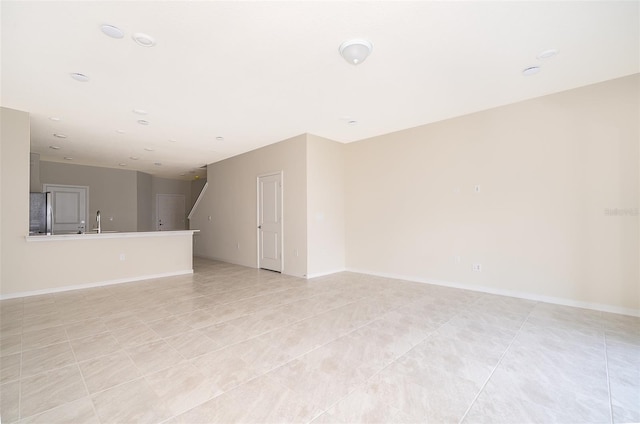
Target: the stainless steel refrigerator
(40, 214)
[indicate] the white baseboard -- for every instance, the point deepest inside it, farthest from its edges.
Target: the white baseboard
(322, 274)
(511, 293)
(96, 284)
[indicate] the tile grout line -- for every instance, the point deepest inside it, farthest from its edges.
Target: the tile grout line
(606, 366)
(93, 406)
(20, 378)
(497, 365)
(429, 335)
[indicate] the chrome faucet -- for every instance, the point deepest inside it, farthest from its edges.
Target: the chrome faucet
(99, 228)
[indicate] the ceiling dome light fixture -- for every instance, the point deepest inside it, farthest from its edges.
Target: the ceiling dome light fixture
(143, 39)
(58, 135)
(79, 77)
(355, 51)
(531, 70)
(140, 111)
(143, 122)
(112, 31)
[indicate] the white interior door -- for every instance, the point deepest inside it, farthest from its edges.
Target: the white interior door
(270, 222)
(170, 212)
(69, 208)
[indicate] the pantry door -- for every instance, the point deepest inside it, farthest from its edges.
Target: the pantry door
(170, 212)
(69, 208)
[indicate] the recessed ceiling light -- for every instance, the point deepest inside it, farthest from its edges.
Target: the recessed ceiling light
(143, 122)
(79, 77)
(54, 118)
(122, 164)
(68, 158)
(112, 31)
(55, 147)
(352, 122)
(120, 131)
(531, 70)
(60, 135)
(134, 157)
(220, 138)
(143, 39)
(148, 149)
(171, 140)
(547, 54)
(157, 164)
(140, 111)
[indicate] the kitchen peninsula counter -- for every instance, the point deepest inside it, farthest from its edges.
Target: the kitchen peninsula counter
(108, 235)
(55, 263)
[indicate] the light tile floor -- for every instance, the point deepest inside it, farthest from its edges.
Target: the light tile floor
(232, 344)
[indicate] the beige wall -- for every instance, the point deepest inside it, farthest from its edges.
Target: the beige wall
(14, 195)
(113, 192)
(547, 168)
(144, 204)
(27, 267)
(231, 202)
(325, 206)
(34, 173)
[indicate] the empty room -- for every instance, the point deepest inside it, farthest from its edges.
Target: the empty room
(320, 212)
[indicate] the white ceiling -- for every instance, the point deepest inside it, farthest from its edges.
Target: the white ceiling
(256, 73)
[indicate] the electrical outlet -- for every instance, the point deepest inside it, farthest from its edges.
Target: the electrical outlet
(295, 252)
(477, 267)
(122, 257)
(238, 246)
(457, 259)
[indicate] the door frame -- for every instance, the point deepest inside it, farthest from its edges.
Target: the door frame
(269, 174)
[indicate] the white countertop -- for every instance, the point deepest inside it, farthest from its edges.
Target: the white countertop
(109, 235)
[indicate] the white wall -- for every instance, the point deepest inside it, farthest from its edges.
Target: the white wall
(548, 171)
(231, 202)
(325, 206)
